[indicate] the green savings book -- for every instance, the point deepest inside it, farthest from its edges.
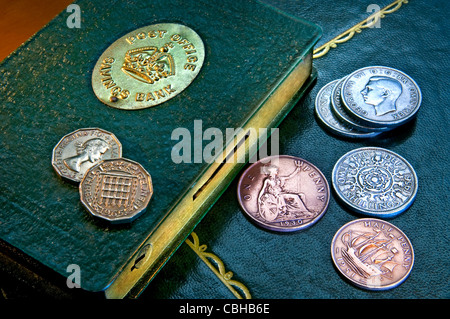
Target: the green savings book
(257, 64)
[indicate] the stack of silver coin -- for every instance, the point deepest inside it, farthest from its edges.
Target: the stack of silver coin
(368, 102)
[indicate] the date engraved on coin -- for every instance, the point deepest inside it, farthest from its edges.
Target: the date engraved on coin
(76, 152)
(283, 193)
(117, 190)
(372, 254)
(148, 66)
(375, 181)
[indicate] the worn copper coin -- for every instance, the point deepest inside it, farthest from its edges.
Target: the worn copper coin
(148, 66)
(76, 152)
(379, 96)
(116, 190)
(375, 181)
(372, 254)
(330, 120)
(283, 193)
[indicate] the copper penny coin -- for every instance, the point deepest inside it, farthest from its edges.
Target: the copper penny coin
(116, 190)
(283, 193)
(372, 254)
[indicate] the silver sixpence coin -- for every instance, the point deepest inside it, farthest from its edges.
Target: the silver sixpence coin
(328, 118)
(78, 151)
(372, 254)
(375, 182)
(116, 190)
(340, 112)
(381, 96)
(283, 193)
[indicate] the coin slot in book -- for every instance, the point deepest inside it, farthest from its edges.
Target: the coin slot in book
(227, 159)
(142, 256)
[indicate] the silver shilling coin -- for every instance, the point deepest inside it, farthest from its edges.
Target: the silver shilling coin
(116, 190)
(341, 113)
(375, 181)
(78, 151)
(283, 193)
(330, 120)
(381, 96)
(372, 254)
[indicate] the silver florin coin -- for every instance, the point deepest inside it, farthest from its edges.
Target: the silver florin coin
(116, 190)
(380, 96)
(341, 113)
(375, 182)
(78, 151)
(283, 193)
(372, 254)
(328, 118)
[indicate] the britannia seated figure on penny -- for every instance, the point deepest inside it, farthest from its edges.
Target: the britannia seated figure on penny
(275, 201)
(382, 92)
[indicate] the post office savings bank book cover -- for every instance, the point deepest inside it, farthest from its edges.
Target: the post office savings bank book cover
(256, 62)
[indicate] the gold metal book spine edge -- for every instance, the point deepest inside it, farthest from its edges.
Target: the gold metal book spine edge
(181, 221)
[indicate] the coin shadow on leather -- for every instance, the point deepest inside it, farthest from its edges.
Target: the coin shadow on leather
(396, 136)
(102, 223)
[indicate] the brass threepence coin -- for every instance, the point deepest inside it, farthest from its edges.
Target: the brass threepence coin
(375, 182)
(148, 66)
(330, 120)
(379, 96)
(283, 193)
(116, 190)
(76, 152)
(372, 254)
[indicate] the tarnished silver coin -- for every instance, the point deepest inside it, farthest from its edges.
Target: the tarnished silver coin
(116, 190)
(283, 193)
(380, 96)
(148, 66)
(372, 254)
(340, 112)
(76, 152)
(328, 118)
(375, 182)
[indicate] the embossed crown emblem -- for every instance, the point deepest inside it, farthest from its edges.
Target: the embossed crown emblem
(149, 64)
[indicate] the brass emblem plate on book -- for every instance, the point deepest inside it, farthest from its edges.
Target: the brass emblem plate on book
(148, 66)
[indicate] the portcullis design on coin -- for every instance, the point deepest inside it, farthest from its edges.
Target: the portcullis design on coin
(116, 190)
(283, 193)
(375, 182)
(78, 151)
(372, 254)
(148, 66)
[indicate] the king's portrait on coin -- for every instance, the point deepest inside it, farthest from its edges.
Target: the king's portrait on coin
(382, 92)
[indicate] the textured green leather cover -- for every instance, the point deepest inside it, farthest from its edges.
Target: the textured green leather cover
(45, 93)
(298, 265)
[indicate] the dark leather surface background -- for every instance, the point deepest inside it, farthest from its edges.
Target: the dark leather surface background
(46, 93)
(413, 39)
